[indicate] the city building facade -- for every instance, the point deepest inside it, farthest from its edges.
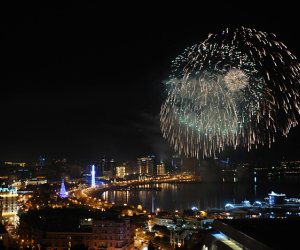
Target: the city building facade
(145, 165)
(9, 209)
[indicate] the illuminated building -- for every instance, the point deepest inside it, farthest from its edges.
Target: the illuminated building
(176, 163)
(63, 193)
(99, 231)
(112, 234)
(108, 166)
(9, 210)
(36, 181)
(15, 164)
(120, 171)
(160, 168)
(145, 165)
(93, 176)
(113, 166)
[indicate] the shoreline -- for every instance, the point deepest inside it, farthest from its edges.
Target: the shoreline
(136, 186)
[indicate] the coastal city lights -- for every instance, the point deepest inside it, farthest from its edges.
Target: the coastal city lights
(160, 223)
(149, 126)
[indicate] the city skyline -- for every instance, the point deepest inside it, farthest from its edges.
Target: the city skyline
(80, 85)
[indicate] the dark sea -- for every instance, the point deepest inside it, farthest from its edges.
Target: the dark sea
(204, 195)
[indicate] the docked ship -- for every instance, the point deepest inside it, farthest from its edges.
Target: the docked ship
(276, 205)
(274, 200)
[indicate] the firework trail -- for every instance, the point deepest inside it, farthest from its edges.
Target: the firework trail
(239, 87)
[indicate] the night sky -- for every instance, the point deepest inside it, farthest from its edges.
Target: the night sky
(84, 81)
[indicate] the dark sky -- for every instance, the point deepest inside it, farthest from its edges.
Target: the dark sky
(82, 81)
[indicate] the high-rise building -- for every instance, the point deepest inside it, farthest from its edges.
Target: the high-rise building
(128, 169)
(108, 167)
(42, 161)
(160, 169)
(9, 209)
(176, 163)
(145, 165)
(112, 167)
(142, 165)
(120, 171)
(105, 163)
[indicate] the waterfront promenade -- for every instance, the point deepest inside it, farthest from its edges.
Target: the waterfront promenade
(86, 196)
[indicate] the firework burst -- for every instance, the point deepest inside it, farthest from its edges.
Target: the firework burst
(239, 87)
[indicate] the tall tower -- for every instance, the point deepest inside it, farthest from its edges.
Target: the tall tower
(42, 161)
(112, 167)
(93, 176)
(105, 163)
(63, 193)
(176, 163)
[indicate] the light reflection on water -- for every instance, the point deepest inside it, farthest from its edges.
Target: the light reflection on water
(203, 195)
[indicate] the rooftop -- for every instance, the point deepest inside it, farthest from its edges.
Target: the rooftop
(261, 233)
(64, 219)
